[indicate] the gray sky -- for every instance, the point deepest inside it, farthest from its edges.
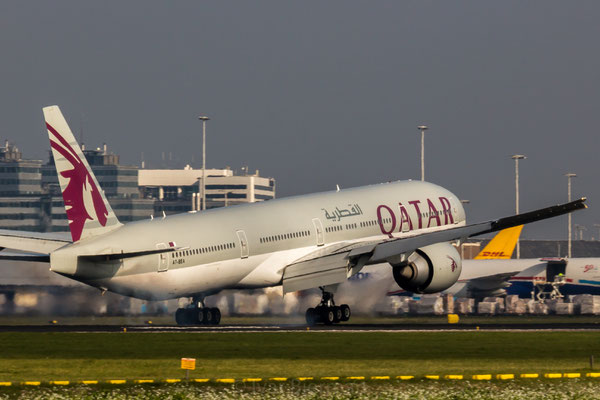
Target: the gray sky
(323, 93)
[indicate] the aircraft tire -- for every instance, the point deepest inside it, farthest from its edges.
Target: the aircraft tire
(208, 316)
(337, 314)
(180, 316)
(201, 316)
(216, 316)
(327, 315)
(311, 317)
(346, 313)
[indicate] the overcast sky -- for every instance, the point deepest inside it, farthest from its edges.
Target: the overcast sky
(317, 93)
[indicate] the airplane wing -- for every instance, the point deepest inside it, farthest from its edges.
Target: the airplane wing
(334, 265)
(35, 242)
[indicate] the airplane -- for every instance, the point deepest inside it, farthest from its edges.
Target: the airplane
(303, 242)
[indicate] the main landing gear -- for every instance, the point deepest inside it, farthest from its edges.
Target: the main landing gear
(327, 312)
(196, 313)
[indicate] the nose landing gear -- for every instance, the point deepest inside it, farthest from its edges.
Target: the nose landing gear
(196, 313)
(327, 312)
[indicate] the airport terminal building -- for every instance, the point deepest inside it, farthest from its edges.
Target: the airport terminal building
(31, 200)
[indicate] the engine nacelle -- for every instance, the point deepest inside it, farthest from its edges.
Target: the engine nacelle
(429, 269)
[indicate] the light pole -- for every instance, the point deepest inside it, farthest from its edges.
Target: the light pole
(597, 226)
(422, 128)
(569, 175)
(203, 119)
(517, 157)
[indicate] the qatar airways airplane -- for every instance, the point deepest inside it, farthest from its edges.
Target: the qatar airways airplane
(303, 242)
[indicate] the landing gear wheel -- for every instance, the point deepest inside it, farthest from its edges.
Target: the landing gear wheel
(327, 315)
(208, 316)
(201, 316)
(311, 317)
(346, 313)
(216, 316)
(337, 314)
(185, 316)
(180, 317)
(327, 312)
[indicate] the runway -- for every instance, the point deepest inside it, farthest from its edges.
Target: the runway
(492, 327)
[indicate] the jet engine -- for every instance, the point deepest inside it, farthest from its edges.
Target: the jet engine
(429, 269)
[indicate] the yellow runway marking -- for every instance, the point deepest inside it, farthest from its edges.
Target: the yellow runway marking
(89, 382)
(62, 383)
(483, 377)
(305, 378)
(144, 381)
(379, 378)
(552, 376)
(32, 383)
(432, 377)
(172, 380)
(504, 377)
(593, 374)
(330, 378)
(117, 381)
(225, 380)
(278, 379)
(530, 376)
(356, 378)
(201, 380)
(454, 377)
(252, 379)
(5, 383)
(572, 375)
(405, 377)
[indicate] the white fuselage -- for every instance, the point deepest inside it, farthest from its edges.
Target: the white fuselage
(249, 246)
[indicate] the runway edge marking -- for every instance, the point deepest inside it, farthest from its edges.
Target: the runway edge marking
(550, 375)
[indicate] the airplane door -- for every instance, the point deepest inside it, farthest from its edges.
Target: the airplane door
(319, 231)
(243, 244)
(163, 262)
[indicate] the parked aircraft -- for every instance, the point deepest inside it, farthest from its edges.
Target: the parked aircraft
(301, 242)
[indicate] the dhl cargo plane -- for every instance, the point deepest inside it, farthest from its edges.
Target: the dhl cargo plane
(303, 242)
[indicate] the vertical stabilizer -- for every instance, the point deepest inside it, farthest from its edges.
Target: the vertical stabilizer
(502, 245)
(88, 211)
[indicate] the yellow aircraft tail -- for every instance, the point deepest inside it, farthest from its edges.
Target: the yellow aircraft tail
(502, 245)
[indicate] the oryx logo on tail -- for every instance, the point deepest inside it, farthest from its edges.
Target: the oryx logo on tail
(87, 209)
(80, 184)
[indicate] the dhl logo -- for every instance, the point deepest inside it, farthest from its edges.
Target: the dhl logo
(493, 254)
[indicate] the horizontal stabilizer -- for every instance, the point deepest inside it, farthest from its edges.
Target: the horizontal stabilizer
(35, 242)
(24, 257)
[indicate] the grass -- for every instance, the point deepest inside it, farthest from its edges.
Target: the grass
(525, 390)
(77, 356)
